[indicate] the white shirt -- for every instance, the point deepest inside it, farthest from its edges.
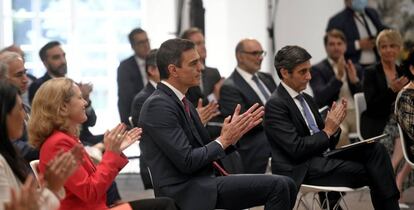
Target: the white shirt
(344, 92)
(153, 83)
(141, 66)
(249, 79)
(293, 94)
(367, 56)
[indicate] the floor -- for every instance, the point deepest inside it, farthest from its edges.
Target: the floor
(131, 188)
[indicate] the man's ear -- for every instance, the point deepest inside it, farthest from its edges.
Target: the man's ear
(172, 70)
(284, 72)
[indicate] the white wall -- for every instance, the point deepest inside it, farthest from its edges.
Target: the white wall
(299, 22)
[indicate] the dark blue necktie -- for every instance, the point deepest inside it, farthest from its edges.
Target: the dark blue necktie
(308, 114)
(260, 86)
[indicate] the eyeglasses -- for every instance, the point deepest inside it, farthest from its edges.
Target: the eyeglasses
(256, 53)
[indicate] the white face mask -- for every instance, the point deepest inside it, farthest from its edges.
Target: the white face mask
(359, 5)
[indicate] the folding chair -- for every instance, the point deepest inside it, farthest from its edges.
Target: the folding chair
(360, 106)
(405, 147)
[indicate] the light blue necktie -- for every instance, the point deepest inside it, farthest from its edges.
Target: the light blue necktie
(261, 87)
(308, 114)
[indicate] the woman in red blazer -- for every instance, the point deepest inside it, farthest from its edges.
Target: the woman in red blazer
(58, 110)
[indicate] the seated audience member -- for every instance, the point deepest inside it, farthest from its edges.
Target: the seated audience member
(58, 110)
(299, 136)
(13, 170)
(180, 153)
(246, 86)
(336, 77)
(16, 74)
(382, 82)
(404, 113)
(139, 99)
(360, 24)
(30, 77)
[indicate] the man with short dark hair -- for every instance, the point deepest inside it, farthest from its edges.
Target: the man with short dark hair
(336, 77)
(131, 75)
(180, 154)
(299, 137)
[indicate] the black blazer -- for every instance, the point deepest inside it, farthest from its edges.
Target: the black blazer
(139, 100)
(129, 81)
(380, 100)
(36, 85)
(178, 151)
(326, 87)
(289, 136)
(210, 76)
(345, 22)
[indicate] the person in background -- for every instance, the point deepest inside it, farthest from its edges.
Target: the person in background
(360, 24)
(336, 77)
(131, 75)
(404, 113)
(13, 170)
(16, 74)
(247, 86)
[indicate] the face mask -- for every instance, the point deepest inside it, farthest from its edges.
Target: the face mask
(359, 5)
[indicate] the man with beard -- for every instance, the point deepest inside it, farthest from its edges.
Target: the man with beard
(53, 58)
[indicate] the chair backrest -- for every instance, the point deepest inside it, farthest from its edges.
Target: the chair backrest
(360, 106)
(34, 164)
(407, 156)
(131, 123)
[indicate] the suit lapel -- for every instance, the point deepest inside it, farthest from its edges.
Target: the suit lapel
(268, 81)
(245, 88)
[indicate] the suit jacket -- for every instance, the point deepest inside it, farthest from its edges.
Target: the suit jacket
(139, 100)
(86, 188)
(36, 85)
(345, 22)
(129, 81)
(380, 100)
(178, 151)
(292, 145)
(236, 90)
(326, 87)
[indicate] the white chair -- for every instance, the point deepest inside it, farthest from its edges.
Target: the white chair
(34, 164)
(315, 189)
(131, 123)
(360, 106)
(408, 157)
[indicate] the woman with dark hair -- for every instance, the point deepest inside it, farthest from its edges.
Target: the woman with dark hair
(404, 112)
(13, 170)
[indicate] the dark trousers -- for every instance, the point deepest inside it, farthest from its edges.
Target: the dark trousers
(245, 191)
(367, 165)
(254, 150)
(160, 203)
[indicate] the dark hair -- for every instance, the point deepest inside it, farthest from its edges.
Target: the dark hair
(8, 98)
(240, 46)
(132, 34)
(406, 66)
(170, 53)
(46, 47)
(151, 59)
(334, 33)
(189, 32)
(289, 57)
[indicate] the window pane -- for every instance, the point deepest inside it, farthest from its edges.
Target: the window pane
(122, 27)
(90, 5)
(22, 5)
(127, 5)
(91, 30)
(22, 31)
(54, 29)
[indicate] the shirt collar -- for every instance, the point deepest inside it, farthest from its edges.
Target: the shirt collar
(243, 73)
(175, 90)
(290, 91)
(154, 84)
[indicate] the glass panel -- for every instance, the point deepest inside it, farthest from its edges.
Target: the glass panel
(21, 5)
(123, 26)
(126, 5)
(99, 97)
(90, 5)
(91, 30)
(54, 29)
(55, 7)
(22, 31)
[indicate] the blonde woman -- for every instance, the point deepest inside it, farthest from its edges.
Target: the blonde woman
(58, 110)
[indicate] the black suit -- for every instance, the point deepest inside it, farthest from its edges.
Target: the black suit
(253, 146)
(129, 81)
(297, 154)
(179, 153)
(36, 85)
(326, 87)
(345, 22)
(136, 107)
(380, 101)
